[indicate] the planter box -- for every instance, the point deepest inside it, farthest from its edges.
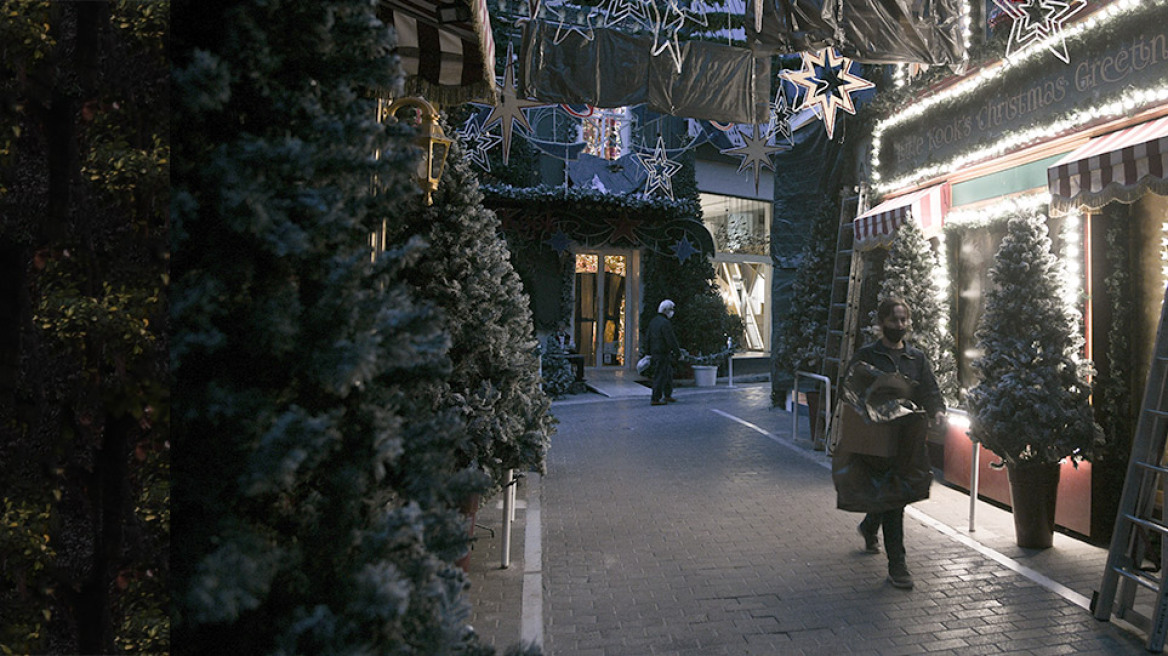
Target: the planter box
(704, 375)
(1073, 511)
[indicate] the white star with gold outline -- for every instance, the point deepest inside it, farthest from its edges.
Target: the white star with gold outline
(1037, 20)
(660, 169)
(754, 151)
(828, 91)
(510, 108)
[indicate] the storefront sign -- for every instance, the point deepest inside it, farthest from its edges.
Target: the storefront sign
(1128, 53)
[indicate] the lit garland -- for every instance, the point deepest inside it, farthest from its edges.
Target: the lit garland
(1164, 251)
(998, 211)
(1072, 257)
(1123, 106)
(943, 283)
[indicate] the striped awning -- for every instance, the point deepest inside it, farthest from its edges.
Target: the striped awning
(446, 48)
(877, 227)
(1121, 166)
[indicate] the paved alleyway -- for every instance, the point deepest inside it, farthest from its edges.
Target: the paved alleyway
(701, 528)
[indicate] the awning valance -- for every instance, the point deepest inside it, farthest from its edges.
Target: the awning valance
(1121, 166)
(877, 226)
(446, 49)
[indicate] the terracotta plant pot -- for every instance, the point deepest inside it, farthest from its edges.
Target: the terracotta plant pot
(1033, 493)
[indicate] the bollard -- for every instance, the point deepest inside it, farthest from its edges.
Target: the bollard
(508, 516)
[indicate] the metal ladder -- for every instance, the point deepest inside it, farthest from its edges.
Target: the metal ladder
(844, 311)
(1136, 522)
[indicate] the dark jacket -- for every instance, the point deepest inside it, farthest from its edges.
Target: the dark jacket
(660, 342)
(912, 364)
(871, 484)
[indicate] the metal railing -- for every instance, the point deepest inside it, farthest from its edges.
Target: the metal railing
(826, 405)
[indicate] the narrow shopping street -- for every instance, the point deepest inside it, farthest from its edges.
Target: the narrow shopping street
(703, 528)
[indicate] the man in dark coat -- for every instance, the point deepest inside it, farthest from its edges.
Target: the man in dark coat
(882, 487)
(661, 346)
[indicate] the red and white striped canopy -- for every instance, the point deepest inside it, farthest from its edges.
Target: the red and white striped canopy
(446, 48)
(1121, 166)
(877, 227)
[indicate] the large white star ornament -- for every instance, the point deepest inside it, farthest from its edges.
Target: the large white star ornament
(829, 84)
(754, 151)
(1039, 20)
(660, 169)
(510, 108)
(617, 12)
(666, 26)
(565, 26)
(476, 141)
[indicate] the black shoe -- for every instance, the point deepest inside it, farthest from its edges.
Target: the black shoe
(656, 402)
(670, 399)
(871, 542)
(899, 576)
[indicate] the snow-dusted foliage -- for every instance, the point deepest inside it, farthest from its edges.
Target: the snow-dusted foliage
(910, 273)
(1032, 403)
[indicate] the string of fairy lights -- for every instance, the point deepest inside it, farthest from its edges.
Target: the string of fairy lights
(1121, 106)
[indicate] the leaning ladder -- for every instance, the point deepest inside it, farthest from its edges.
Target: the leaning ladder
(844, 311)
(1136, 520)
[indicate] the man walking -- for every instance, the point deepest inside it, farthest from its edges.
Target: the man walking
(662, 348)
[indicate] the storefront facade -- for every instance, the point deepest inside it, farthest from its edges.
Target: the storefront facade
(1084, 143)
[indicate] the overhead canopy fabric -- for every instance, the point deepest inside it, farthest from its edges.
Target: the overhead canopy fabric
(446, 49)
(606, 67)
(868, 31)
(1121, 166)
(877, 227)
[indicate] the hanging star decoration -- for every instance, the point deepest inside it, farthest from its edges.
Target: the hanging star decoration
(683, 249)
(509, 111)
(560, 241)
(617, 12)
(665, 27)
(661, 170)
(476, 142)
(780, 123)
(566, 26)
(829, 84)
(754, 151)
(1039, 20)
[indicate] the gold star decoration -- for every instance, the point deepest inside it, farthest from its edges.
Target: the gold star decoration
(754, 151)
(510, 108)
(660, 169)
(1037, 20)
(829, 85)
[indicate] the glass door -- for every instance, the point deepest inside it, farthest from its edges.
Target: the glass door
(601, 303)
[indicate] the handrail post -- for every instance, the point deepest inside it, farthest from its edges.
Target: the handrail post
(826, 403)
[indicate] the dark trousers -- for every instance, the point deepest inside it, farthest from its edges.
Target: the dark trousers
(892, 523)
(662, 377)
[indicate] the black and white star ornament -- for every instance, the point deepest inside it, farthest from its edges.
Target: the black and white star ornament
(755, 151)
(476, 141)
(660, 170)
(828, 83)
(780, 118)
(1036, 21)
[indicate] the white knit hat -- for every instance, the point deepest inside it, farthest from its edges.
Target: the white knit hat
(665, 306)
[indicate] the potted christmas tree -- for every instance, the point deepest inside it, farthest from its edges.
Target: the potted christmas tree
(1032, 406)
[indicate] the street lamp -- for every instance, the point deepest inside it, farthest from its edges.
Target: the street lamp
(431, 139)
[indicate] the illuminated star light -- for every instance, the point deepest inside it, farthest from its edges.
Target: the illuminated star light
(477, 142)
(1036, 20)
(665, 28)
(619, 11)
(660, 169)
(828, 91)
(510, 108)
(754, 152)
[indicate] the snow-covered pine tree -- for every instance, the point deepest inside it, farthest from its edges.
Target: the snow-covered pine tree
(1033, 402)
(313, 478)
(910, 273)
(494, 384)
(802, 337)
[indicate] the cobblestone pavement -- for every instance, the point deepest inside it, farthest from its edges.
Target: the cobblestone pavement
(703, 528)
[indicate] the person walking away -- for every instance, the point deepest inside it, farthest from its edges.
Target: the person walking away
(882, 487)
(662, 348)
